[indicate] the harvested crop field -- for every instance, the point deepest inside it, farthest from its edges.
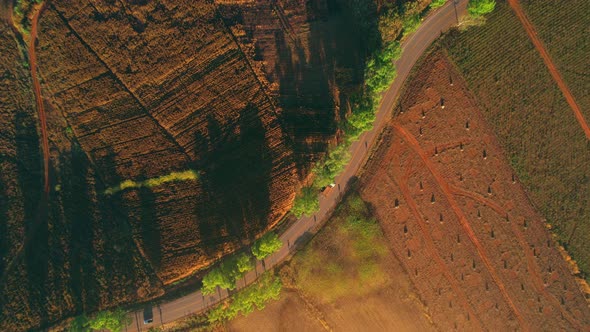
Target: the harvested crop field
(237, 92)
(460, 221)
(520, 100)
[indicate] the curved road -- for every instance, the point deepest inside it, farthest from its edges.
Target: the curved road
(413, 47)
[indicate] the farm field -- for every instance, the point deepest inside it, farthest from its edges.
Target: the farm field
(565, 35)
(460, 220)
(533, 122)
(238, 92)
(345, 279)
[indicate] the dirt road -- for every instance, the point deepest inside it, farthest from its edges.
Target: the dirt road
(38, 96)
(530, 30)
(438, 21)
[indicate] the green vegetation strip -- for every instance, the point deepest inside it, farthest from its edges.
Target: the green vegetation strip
(233, 268)
(268, 287)
(153, 182)
(113, 321)
(379, 73)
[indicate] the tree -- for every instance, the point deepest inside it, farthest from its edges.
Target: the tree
(306, 202)
(113, 321)
(437, 3)
(478, 8)
(268, 244)
(255, 296)
(227, 273)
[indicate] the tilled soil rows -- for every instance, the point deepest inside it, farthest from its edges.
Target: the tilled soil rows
(247, 94)
(479, 254)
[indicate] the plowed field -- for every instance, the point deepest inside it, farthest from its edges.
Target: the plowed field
(248, 94)
(474, 246)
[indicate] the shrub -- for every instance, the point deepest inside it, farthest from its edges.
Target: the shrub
(227, 273)
(113, 321)
(306, 202)
(267, 288)
(411, 23)
(268, 244)
(478, 8)
(437, 3)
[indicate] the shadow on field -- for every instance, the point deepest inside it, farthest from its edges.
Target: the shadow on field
(30, 182)
(317, 78)
(149, 228)
(78, 212)
(235, 176)
(3, 225)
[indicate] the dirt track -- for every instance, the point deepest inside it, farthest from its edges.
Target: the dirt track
(530, 30)
(38, 96)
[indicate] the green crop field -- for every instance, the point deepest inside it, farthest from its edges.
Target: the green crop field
(564, 27)
(531, 118)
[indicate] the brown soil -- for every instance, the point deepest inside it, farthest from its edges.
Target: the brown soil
(247, 93)
(476, 250)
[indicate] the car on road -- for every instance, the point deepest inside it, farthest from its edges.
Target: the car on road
(148, 315)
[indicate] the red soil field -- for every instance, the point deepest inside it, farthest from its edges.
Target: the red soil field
(478, 253)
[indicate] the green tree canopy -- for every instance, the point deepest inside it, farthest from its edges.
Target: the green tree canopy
(245, 301)
(113, 321)
(227, 273)
(268, 244)
(306, 202)
(477, 8)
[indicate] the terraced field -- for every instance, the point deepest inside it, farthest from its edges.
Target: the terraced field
(534, 124)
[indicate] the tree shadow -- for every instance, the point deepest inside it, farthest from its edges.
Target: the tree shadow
(35, 213)
(149, 228)
(78, 212)
(236, 171)
(4, 205)
(317, 78)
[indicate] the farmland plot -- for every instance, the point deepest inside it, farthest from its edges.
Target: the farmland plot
(533, 122)
(473, 245)
(135, 91)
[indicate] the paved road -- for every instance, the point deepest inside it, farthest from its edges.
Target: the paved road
(413, 48)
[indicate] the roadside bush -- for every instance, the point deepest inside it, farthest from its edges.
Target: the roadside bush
(306, 202)
(113, 321)
(411, 23)
(227, 273)
(268, 244)
(255, 296)
(437, 3)
(478, 8)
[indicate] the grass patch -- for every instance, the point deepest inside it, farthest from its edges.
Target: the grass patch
(345, 258)
(188, 175)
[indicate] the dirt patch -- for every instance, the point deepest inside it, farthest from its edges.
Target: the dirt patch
(473, 245)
